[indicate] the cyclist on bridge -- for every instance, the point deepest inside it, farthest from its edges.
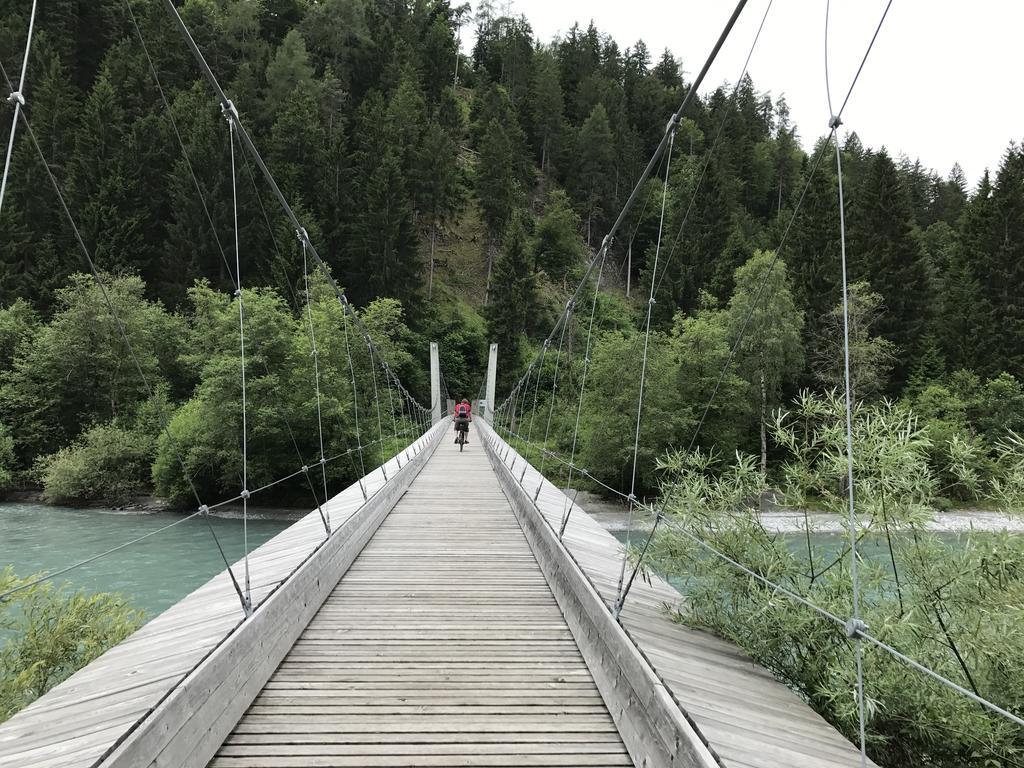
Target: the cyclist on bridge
(463, 415)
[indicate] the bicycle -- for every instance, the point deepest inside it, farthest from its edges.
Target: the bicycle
(461, 440)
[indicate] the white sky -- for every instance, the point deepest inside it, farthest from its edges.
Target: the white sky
(943, 82)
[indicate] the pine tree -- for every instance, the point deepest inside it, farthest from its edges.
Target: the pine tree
(884, 249)
(546, 107)
(594, 181)
(1002, 267)
(382, 257)
(496, 187)
(438, 184)
(557, 247)
(288, 70)
(514, 300)
(103, 183)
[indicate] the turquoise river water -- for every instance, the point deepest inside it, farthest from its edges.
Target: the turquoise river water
(153, 574)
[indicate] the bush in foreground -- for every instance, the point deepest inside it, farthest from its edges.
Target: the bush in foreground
(52, 634)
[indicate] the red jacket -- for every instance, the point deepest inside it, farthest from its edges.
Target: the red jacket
(464, 410)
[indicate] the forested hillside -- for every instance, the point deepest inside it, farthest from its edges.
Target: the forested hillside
(471, 189)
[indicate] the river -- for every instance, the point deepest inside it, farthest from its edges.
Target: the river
(157, 572)
(152, 574)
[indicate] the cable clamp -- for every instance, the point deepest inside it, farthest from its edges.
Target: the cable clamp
(305, 469)
(244, 494)
(16, 97)
(855, 628)
(835, 122)
(631, 497)
(238, 293)
(672, 124)
(228, 110)
(204, 510)
(323, 460)
(302, 235)
(547, 343)
(652, 301)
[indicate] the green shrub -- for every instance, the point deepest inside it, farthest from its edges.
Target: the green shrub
(6, 458)
(954, 608)
(52, 634)
(106, 464)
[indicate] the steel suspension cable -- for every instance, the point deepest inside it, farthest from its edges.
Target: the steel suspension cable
(241, 337)
(315, 354)
(834, 122)
(355, 399)
(376, 400)
(551, 404)
(567, 507)
(643, 366)
(858, 648)
(18, 99)
(536, 388)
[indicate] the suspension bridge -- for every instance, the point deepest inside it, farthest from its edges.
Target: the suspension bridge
(449, 608)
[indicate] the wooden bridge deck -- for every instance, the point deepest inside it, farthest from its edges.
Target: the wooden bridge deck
(442, 645)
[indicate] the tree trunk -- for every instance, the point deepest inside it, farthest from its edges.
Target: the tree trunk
(764, 431)
(764, 437)
(629, 266)
(430, 280)
(487, 288)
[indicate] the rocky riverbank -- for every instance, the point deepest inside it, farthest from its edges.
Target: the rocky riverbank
(616, 517)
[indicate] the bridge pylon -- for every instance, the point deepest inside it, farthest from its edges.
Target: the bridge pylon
(492, 378)
(435, 384)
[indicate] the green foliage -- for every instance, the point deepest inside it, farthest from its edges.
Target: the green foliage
(18, 323)
(955, 609)
(205, 433)
(684, 367)
(871, 356)
(556, 246)
(78, 370)
(765, 323)
(496, 185)
(52, 633)
(509, 315)
(592, 183)
(107, 463)
(6, 457)
(889, 254)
